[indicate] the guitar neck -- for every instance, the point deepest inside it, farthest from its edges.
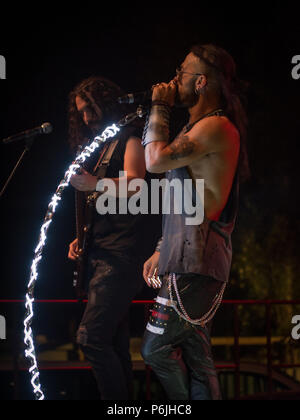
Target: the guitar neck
(80, 211)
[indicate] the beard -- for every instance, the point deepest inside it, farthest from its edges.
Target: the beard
(187, 99)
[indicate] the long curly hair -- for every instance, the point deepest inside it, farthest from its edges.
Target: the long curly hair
(221, 68)
(104, 93)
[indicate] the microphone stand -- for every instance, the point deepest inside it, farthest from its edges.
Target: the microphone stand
(139, 113)
(29, 144)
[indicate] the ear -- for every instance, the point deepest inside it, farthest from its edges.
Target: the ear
(201, 82)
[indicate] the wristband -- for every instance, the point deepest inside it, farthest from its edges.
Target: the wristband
(157, 124)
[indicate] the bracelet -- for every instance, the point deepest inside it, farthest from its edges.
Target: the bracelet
(159, 244)
(162, 103)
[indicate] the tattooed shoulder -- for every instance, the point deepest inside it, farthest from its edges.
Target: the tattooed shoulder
(182, 147)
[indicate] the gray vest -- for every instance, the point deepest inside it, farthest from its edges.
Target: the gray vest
(204, 249)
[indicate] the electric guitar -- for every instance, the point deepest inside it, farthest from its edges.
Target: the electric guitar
(82, 230)
(84, 210)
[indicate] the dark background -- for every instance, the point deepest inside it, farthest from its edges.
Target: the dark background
(48, 53)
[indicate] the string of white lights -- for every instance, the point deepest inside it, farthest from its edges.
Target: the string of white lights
(30, 352)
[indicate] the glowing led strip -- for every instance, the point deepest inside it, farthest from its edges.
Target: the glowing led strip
(28, 333)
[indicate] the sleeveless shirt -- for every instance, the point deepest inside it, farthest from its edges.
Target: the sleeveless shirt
(124, 234)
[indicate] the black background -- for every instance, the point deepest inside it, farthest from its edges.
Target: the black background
(48, 53)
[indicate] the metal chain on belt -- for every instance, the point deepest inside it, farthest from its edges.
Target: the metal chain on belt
(184, 315)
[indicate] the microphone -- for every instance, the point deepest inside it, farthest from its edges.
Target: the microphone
(132, 98)
(45, 128)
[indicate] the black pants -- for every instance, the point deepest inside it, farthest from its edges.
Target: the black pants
(178, 352)
(104, 330)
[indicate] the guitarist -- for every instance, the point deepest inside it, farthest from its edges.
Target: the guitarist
(116, 250)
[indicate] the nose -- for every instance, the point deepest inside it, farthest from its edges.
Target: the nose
(178, 74)
(85, 118)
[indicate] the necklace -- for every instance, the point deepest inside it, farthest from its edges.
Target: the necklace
(218, 113)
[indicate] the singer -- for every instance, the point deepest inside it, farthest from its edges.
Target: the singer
(116, 247)
(194, 261)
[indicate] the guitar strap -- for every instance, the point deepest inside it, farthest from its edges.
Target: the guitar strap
(100, 171)
(102, 165)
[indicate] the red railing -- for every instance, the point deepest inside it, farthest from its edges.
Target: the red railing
(236, 365)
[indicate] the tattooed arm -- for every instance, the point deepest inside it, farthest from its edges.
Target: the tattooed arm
(210, 135)
(207, 136)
